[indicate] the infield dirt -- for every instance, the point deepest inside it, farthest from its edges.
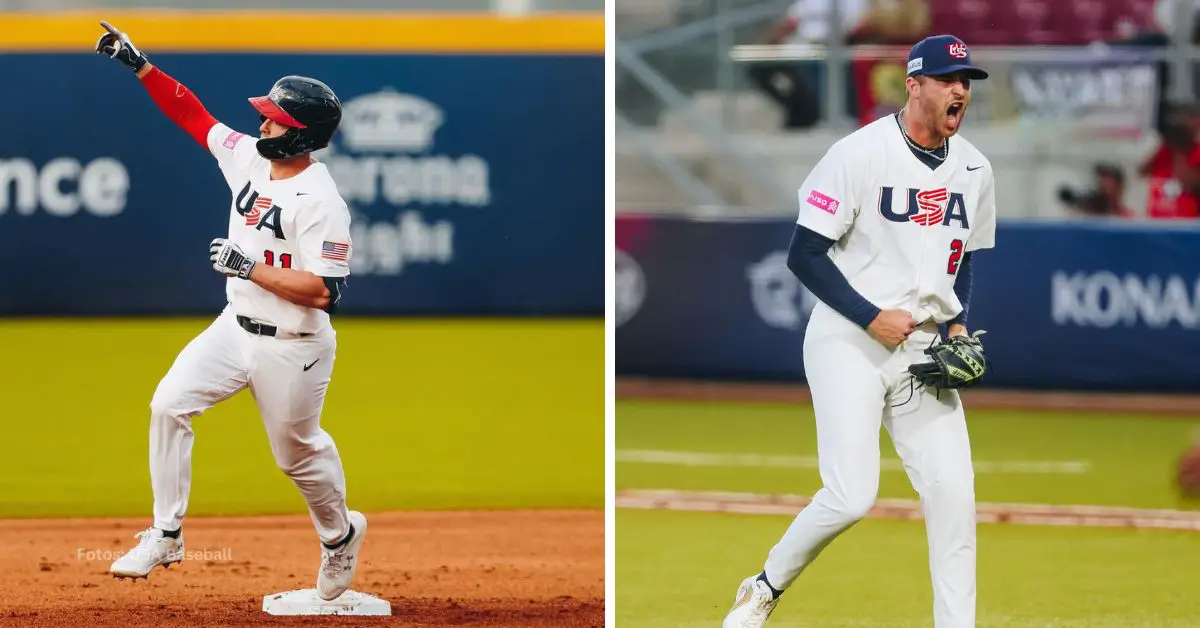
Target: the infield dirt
(482, 568)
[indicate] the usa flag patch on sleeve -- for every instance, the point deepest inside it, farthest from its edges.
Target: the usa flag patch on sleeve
(335, 251)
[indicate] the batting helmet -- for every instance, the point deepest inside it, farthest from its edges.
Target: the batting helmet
(308, 107)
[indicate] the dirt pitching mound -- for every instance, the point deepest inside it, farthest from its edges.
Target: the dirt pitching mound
(483, 568)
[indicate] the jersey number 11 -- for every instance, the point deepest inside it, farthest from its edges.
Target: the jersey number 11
(285, 259)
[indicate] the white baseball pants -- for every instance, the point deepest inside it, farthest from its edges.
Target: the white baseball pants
(216, 365)
(856, 385)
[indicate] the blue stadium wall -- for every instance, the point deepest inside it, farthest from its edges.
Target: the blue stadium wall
(1086, 305)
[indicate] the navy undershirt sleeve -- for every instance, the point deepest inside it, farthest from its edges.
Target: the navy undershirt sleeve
(335, 285)
(808, 259)
(962, 288)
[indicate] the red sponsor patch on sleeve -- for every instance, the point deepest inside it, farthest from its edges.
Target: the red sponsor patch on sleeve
(823, 202)
(231, 140)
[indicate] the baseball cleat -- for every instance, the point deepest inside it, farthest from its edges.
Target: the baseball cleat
(752, 605)
(338, 565)
(153, 549)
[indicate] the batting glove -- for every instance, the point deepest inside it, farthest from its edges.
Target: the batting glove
(229, 260)
(117, 46)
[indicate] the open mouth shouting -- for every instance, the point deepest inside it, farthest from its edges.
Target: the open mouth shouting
(954, 115)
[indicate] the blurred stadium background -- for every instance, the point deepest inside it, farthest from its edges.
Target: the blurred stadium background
(1076, 83)
(1091, 301)
(471, 334)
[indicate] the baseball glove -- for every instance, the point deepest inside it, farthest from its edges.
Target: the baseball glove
(956, 363)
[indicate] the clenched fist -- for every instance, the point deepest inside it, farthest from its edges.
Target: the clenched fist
(892, 327)
(229, 260)
(117, 46)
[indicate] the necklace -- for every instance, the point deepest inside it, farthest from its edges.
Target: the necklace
(940, 153)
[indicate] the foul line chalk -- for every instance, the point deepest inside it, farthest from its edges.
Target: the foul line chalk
(699, 459)
(906, 509)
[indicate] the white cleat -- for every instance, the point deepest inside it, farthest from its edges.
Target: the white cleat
(752, 605)
(338, 566)
(153, 549)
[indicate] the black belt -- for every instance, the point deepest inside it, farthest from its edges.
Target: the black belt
(261, 329)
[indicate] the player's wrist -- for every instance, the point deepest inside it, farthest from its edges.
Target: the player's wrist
(247, 269)
(137, 63)
(871, 317)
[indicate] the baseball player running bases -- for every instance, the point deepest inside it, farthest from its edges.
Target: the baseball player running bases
(286, 258)
(889, 220)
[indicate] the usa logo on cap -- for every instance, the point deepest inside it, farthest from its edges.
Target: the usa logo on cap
(939, 55)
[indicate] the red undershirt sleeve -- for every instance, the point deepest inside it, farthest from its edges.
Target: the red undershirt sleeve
(179, 104)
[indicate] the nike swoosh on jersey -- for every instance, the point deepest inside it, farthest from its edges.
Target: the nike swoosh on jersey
(970, 168)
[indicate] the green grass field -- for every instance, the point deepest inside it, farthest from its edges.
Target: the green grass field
(426, 414)
(1129, 459)
(677, 569)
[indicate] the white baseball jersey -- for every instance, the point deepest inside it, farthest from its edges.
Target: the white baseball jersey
(901, 228)
(301, 222)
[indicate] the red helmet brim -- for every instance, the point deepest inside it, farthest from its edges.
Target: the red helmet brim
(273, 112)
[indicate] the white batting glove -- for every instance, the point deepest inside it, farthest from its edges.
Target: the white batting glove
(229, 260)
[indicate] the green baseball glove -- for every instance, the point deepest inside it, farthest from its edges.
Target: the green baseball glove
(957, 363)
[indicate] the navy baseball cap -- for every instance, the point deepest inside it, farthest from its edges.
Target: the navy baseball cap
(942, 54)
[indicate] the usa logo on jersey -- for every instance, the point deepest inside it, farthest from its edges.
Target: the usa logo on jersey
(926, 207)
(260, 212)
(261, 204)
(930, 203)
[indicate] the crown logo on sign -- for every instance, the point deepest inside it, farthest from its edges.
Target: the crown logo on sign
(389, 120)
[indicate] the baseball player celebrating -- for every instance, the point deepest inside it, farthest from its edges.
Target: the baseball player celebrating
(889, 219)
(286, 259)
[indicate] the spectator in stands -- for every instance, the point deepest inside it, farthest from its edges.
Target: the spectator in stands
(796, 85)
(1173, 169)
(1106, 198)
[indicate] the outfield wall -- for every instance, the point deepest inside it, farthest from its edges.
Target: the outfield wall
(1073, 306)
(471, 154)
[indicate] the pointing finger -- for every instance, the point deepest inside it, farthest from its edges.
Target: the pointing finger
(109, 28)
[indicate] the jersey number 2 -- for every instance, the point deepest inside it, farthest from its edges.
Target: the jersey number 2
(285, 259)
(956, 253)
